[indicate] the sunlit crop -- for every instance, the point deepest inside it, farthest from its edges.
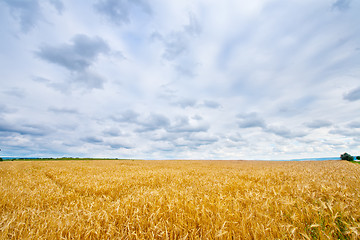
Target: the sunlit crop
(179, 200)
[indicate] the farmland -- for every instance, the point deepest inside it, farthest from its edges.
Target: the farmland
(126, 199)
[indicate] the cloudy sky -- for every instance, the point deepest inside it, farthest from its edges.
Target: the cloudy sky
(261, 79)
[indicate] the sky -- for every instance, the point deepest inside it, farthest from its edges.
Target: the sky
(261, 79)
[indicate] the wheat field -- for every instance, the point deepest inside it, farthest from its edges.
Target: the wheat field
(179, 200)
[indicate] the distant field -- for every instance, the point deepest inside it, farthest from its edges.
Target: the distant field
(102, 199)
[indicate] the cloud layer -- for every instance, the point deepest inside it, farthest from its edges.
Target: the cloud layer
(194, 80)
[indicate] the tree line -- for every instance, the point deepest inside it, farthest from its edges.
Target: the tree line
(348, 157)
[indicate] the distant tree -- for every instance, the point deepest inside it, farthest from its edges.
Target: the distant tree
(358, 157)
(346, 157)
(1, 159)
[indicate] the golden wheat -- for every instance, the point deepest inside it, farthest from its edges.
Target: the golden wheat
(179, 200)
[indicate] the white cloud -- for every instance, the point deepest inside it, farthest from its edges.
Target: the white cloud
(164, 79)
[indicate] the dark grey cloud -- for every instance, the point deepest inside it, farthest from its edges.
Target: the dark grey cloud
(341, 5)
(186, 102)
(63, 110)
(26, 129)
(128, 116)
(211, 104)
(40, 79)
(355, 124)
(153, 122)
(175, 45)
(345, 132)
(35, 129)
(167, 93)
(333, 143)
(87, 79)
(236, 138)
(26, 12)
(186, 68)
(78, 55)
(318, 124)
(197, 117)
(119, 11)
(116, 145)
(5, 109)
(284, 132)
(194, 27)
(250, 120)
(164, 136)
(16, 92)
(156, 36)
(71, 127)
(112, 132)
(353, 95)
(58, 86)
(183, 125)
(203, 139)
(83, 79)
(297, 106)
(183, 132)
(167, 148)
(59, 5)
(194, 141)
(190, 102)
(92, 140)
